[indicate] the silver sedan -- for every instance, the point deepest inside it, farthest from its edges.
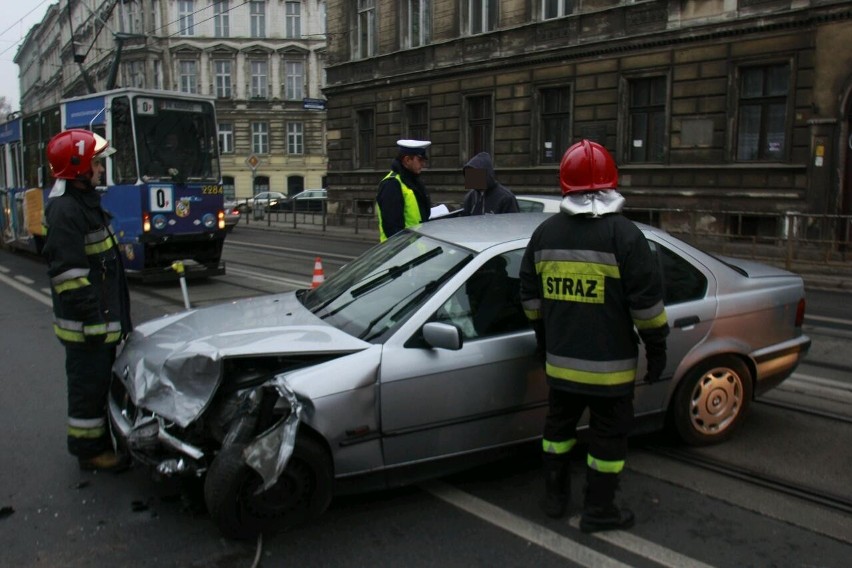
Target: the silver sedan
(415, 360)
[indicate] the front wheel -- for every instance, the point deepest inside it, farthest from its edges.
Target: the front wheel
(712, 401)
(239, 511)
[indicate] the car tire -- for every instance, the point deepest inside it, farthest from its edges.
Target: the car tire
(712, 401)
(302, 492)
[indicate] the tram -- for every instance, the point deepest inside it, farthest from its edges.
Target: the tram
(162, 186)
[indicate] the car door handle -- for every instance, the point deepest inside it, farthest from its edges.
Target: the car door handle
(687, 321)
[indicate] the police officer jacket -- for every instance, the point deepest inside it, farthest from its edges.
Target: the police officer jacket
(402, 201)
(589, 283)
(91, 301)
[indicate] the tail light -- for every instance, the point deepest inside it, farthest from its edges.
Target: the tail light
(800, 313)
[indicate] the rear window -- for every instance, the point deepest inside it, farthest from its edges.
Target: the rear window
(682, 281)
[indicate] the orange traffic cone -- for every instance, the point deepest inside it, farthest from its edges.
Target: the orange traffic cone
(319, 275)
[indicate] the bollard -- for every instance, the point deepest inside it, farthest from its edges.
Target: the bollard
(178, 267)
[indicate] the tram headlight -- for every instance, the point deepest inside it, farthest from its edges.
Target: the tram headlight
(209, 220)
(159, 222)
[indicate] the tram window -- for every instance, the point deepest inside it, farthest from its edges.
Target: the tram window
(124, 159)
(178, 140)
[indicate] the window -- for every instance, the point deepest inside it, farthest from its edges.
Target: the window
(295, 185)
(416, 22)
(226, 138)
(261, 184)
(762, 114)
(294, 77)
(366, 136)
(186, 10)
(480, 125)
(682, 282)
(489, 302)
(417, 121)
(158, 74)
(131, 17)
(481, 16)
(229, 188)
(259, 84)
(134, 74)
(556, 8)
(366, 29)
(259, 138)
(257, 12)
(554, 123)
(188, 76)
(221, 18)
(646, 136)
(293, 20)
(295, 138)
(222, 71)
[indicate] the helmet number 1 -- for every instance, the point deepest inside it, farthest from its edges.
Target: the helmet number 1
(81, 147)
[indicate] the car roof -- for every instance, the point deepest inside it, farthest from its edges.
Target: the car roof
(480, 232)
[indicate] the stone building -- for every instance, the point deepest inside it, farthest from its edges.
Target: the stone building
(734, 105)
(263, 60)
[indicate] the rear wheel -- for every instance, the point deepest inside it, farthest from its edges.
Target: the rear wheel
(712, 401)
(303, 491)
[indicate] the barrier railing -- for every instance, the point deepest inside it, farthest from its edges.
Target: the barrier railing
(788, 239)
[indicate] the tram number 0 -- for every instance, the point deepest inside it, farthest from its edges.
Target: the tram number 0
(161, 199)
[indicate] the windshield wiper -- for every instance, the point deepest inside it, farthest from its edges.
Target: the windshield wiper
(394, 272)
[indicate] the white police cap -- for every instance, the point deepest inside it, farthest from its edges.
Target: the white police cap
(413, 147)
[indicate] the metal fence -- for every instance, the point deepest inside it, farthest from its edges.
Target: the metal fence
(793, 240)
(790, 239)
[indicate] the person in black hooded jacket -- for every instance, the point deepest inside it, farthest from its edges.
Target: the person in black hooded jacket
(486, 195)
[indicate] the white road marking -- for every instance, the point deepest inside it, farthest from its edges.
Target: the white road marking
(555, 542)
(268, 278)
(828, 319)
(24, 279)
(4, 270)
(26, 290)
(644, 548)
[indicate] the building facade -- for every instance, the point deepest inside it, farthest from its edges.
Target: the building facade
(263, 60)
(734, 105)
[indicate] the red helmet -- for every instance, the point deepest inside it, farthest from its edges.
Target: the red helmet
(70, 153)
(587, 166)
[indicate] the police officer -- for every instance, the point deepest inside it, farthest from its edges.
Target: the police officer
(402, 200)
(589, 282)
(91, 303)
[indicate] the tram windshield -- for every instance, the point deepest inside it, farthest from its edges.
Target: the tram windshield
(176, 139)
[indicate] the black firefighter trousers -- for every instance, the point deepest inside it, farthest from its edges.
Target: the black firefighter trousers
(88, 372)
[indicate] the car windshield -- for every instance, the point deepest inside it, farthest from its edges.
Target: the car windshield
(373, 293)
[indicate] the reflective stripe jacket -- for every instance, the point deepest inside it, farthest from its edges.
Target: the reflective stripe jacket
(91, 301)
(402, 201)
(589, 283)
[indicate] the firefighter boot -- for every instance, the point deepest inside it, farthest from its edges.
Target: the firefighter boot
(557, 485)
(599, 511)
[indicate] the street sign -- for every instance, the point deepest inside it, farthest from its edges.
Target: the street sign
(313, 104)
(253, 162)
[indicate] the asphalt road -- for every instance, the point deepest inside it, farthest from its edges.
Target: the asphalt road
(53, 514)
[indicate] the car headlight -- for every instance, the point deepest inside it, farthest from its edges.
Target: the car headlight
(209, 220)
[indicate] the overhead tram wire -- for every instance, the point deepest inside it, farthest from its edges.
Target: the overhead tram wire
(18, 22)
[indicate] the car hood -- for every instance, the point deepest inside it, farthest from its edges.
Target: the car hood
(173, 365)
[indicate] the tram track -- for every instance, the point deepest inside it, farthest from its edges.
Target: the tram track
(776, 484)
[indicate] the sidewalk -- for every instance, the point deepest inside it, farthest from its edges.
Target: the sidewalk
(835, 278)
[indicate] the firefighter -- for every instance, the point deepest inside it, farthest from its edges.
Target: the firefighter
(402, 200)
(589, 283)
(91, 302)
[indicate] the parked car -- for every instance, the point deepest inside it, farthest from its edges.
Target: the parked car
(264, 200)
(415, 360)
(539, 203)
(232, 214)
(308, 200)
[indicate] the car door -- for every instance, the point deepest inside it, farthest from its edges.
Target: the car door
(690, 300)
(491, 392)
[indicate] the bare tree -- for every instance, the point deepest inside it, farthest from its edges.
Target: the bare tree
(5, 108)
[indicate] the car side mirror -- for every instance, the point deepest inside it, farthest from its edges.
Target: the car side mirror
(443, 336)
